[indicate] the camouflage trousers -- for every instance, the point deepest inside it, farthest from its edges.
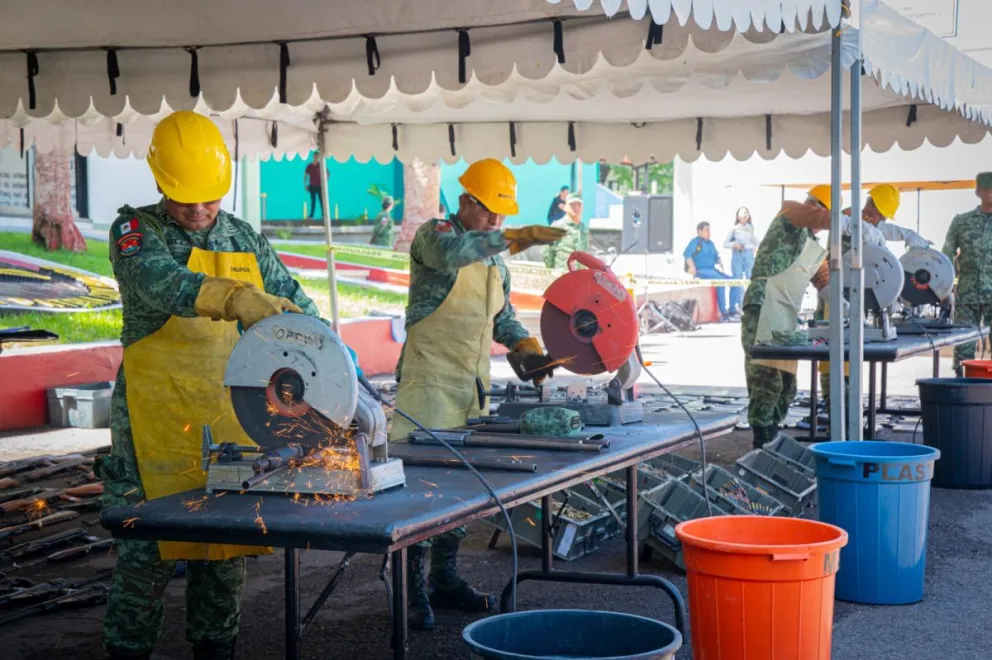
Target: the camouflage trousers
(448, 539)
(135, 608)
(972, 315)
(770, 391)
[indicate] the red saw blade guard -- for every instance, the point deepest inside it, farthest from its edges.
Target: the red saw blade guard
(589, 322)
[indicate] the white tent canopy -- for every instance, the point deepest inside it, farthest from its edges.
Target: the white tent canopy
(725, 76)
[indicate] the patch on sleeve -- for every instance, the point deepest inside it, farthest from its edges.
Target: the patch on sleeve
(127, 227)
(129, 244)
(442, 226)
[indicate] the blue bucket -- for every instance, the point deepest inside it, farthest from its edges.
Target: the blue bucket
(572, 634)
(879, 493)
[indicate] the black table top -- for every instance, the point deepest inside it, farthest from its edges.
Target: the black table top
(433, 500)
(903, 346)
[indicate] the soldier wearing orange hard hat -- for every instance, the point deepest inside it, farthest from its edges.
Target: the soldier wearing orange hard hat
(459, 304)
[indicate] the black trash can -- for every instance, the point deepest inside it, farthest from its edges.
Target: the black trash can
(957, 420)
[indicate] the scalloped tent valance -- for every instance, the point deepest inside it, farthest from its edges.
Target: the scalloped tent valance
(700, 89)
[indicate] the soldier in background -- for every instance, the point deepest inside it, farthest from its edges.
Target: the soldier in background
(383, 227)
(556, 256)
(969, 244)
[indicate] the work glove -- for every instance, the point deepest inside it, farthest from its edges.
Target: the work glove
(224, 299)
(525, 237)
(529, 362)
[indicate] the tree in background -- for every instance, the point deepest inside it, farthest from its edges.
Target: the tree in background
(625, 178)
(422, 183)
(52, 226)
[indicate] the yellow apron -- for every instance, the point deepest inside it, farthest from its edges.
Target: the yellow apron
(175, 385)
(445, 352)
(824, 367)
(783, 298)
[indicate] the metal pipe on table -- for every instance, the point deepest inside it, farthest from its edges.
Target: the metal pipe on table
(477, 463)
(856, 349)
(836, 320)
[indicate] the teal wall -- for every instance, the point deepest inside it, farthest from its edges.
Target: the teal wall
(282, 182)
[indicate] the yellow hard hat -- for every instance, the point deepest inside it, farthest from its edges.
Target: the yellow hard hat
(886, 198)
(189, 159)
(821, 194)
(493, 184)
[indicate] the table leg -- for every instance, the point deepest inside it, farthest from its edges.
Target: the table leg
(631, 529)
(547, 542)
(814, 384)
(870, 435)
(936, 362)
(292, 604)
(885, 386)
(399, 604)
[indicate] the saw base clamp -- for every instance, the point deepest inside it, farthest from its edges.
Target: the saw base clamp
(295, 391)
(589, 326)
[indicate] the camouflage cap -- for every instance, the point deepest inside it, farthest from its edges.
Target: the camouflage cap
(983, 180)
(551, 421)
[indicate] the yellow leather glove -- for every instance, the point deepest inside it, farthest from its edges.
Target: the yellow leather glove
(525, 237)
(528, 345)
(224, 299)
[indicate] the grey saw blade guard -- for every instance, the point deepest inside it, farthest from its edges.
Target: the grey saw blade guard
(929, 276)
(292, 380)
(883, 277)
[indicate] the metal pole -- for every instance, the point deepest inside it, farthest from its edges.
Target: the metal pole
(919, 192)
(332, 281)
(856, 351)
(836, 321)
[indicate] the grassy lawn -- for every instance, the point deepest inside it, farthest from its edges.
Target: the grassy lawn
(320, 251)
(102, 326)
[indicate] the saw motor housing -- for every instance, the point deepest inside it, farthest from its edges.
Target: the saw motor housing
(295, 391)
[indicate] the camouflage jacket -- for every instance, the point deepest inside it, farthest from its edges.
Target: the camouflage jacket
(779, 248)
(438, 250)
(149, 263)
(382, 230)
(969, 243)
(556, 255)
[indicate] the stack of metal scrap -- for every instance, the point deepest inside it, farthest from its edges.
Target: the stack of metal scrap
(53, 553)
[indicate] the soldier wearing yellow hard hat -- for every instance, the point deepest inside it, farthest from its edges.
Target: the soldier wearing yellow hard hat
(459, 304)
(188, 272)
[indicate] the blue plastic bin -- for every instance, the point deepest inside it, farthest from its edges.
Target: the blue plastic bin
(879, 493)
(573, 634)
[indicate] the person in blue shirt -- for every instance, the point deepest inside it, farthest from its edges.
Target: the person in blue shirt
(702, 261)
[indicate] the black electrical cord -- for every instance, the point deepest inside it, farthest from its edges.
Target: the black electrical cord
(371, 389)
(699, 432)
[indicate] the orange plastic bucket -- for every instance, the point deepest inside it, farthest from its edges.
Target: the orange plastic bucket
(977, 368)
(760, 588)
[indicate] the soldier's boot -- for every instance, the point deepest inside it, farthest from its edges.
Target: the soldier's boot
(210, 649)
(420, 616)
(763, 435)
(449, 590)
(114, 653)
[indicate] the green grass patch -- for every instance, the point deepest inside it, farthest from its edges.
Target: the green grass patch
(320, 251)
(72, 328)
(96, 259)
(367, 294)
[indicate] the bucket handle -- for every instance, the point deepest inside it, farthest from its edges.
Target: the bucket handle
(799, 556)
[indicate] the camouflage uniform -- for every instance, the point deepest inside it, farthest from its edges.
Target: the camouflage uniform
(556, 256)
(438, 250)
(382, 230)
(770, 390)
(155, 285)
(971, 234)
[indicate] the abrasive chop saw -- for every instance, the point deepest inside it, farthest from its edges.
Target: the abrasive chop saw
(295, 392)
(589, 326)
(929, 281)
(883, 285)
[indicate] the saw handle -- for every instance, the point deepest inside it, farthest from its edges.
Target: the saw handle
(587, 260)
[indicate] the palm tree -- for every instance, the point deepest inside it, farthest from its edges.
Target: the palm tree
(422, 186)
(53, 227)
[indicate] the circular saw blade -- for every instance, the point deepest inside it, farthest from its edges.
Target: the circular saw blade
(929, 276)
(559, 335)
(292, 380)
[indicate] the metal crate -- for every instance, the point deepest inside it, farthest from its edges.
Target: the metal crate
(671, 503)
(793, 452)
(571, 538)
(614, 488)
(776, 477)
(80, 406)
(733, 494)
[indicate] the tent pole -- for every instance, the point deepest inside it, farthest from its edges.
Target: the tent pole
(332, 281)
(919, 194)
(836, 321)
(855, 427)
